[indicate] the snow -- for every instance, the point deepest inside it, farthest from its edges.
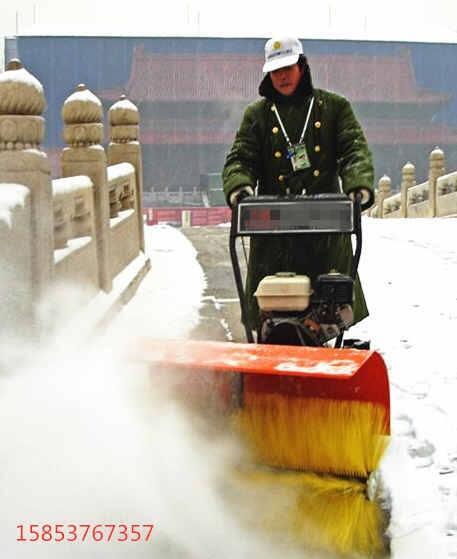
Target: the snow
(12, 196)
(21, 75)
(122, 216)
(73, 245)
(168, 300)
(124, 104)
(71, 184)
(120, 170)
(408, 270)
(93, 147)
(86, 96)
(78, 412)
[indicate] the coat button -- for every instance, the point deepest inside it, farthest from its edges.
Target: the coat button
(316, 173)
(275, 129)
(318, 124)
(278, 154)
(317, 148)
(281, 178)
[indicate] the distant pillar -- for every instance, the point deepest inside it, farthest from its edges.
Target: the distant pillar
(436, 169)
(22, 162)
(384, 190)
(186, 218)
(124, 146)
(83, 132)
(408, 174)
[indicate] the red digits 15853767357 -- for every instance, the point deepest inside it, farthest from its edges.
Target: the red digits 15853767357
(84, 532)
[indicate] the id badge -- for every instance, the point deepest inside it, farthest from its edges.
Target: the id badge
(298, 157)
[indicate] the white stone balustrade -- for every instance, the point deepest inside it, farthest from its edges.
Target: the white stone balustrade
(83, 229)
(435, 197)
(446, 202)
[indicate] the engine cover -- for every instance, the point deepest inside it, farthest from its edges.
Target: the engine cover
(285, 291)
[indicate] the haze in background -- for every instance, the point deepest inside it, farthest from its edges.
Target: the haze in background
(390, 20)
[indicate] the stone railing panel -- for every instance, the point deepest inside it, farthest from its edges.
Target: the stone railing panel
(75, 257)
(392, 206)
(446, 202)
(125, 240)
(418, 202)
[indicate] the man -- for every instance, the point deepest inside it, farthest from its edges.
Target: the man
(298, 139)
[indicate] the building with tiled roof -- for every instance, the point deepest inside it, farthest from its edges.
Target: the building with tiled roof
(191, 105)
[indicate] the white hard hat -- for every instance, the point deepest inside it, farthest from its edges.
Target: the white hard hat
(280, 52)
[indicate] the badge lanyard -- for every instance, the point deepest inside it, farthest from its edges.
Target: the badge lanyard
(302, 137)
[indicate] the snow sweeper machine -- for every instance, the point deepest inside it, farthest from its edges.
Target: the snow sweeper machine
(311, 407)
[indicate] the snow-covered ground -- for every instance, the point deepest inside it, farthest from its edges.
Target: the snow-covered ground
(84, 440)
(409, 271)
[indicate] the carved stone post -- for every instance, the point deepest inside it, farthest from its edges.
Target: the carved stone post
(384, 189)
(436, 169)
(22, 162)
(408, 179)
(82, 114)
(124, 146)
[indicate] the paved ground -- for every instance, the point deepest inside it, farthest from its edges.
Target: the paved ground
(220, 314)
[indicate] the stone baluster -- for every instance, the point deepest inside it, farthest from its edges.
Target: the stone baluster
(124, 119)
(436, 169)
(22, 162)
(384, 190)
(82, 114)
(408, 179)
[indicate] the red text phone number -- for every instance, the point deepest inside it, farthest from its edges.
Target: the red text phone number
(84, 532)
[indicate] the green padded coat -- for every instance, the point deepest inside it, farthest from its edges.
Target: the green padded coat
(340, 161)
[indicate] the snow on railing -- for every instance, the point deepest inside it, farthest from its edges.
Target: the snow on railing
(447, 195)
(121, 186)
(435, 197)
(86, 227)
(73, 209)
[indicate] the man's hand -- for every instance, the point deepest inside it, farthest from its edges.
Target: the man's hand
(366, 196)
(239, 193)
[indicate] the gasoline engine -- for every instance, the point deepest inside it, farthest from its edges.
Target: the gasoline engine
(292, 313)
